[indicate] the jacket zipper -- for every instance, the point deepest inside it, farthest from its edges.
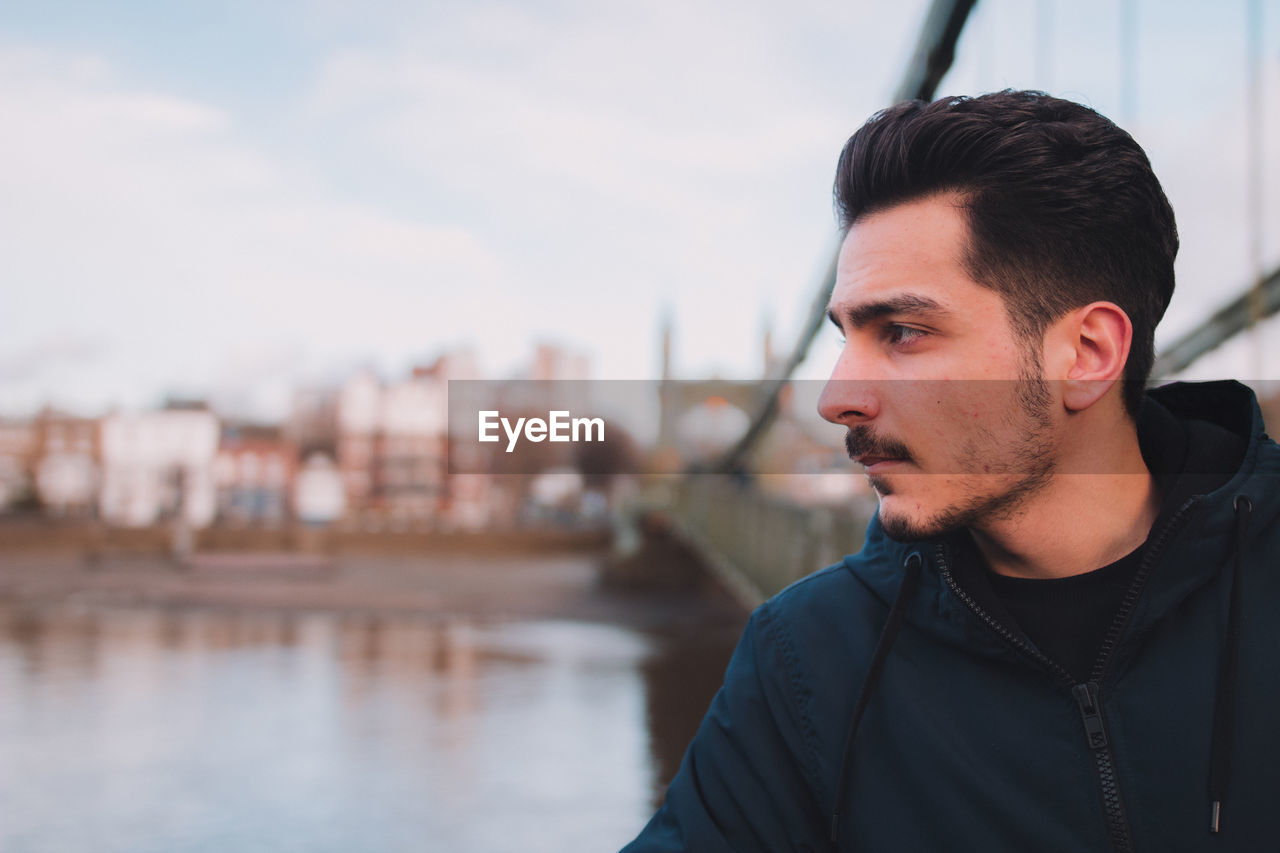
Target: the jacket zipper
(999, 627)
(1094, 726)
(1095, 732)
(1131, 596)
(1087, 695)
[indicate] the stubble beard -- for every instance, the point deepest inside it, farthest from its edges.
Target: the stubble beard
(1030, 464)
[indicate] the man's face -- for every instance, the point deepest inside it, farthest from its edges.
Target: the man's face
(932, 379)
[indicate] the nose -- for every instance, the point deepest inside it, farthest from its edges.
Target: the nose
(849, 397)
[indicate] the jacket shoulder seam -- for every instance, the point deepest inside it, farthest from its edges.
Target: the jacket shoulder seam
(809, 579)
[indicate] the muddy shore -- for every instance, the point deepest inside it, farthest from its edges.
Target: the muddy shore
(491, 581)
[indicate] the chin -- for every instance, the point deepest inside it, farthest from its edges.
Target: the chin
(907, 527)
(903, 529)
(898, 525)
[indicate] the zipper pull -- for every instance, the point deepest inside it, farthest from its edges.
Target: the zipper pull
(1091, 713)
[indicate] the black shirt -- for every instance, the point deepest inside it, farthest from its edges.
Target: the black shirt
(1067, 618)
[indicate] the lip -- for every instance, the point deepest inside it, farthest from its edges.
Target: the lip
(875, 464)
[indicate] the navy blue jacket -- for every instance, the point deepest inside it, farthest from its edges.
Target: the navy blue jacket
(972, 739)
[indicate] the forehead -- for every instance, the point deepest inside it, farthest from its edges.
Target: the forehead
(912, 248)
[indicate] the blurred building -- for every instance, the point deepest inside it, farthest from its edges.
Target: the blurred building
(411, 457)
(312, 424)
(455, 364)
(66, 453)
(554, 362)
(392, 444)
(358, 427)
(318, 495)
(470, 501)
(254, 474)
(17, 464)
(159, 465)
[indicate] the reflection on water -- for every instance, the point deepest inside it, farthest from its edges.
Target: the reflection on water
(183, 731)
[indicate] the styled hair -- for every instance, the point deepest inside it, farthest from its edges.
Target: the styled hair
(1062, 206)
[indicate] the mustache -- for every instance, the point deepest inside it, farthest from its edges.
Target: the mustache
(861, 441)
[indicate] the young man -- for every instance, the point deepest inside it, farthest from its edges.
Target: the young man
(1061, 632)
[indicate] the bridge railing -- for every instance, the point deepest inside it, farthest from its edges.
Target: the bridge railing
(758, 543)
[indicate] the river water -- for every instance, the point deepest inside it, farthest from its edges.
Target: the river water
(183, 730)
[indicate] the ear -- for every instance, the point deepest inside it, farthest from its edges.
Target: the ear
(1086, 350)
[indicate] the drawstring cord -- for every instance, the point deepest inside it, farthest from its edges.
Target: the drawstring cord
(1225, 705)
(910, 580)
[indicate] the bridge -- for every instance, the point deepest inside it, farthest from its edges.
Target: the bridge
(757, 543)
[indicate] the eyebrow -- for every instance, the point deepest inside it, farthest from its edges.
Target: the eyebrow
(865, 312)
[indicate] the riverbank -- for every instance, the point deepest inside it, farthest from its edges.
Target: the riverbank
(96, 539)
(490, 584)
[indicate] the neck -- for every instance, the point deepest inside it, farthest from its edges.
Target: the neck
(1077, 522)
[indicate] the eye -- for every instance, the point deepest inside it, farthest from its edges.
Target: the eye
(899, 334)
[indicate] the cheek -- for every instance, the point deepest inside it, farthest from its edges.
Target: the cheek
(943, 420)
(970, 405)
(948, 420)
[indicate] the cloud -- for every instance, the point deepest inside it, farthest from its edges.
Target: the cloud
(152, 222)
(628, 156)
(488, 175)
(645, 112)
(53, 350)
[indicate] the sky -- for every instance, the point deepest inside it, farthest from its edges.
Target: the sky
(230, 200)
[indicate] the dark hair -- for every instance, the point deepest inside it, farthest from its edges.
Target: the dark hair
(1062, 206)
